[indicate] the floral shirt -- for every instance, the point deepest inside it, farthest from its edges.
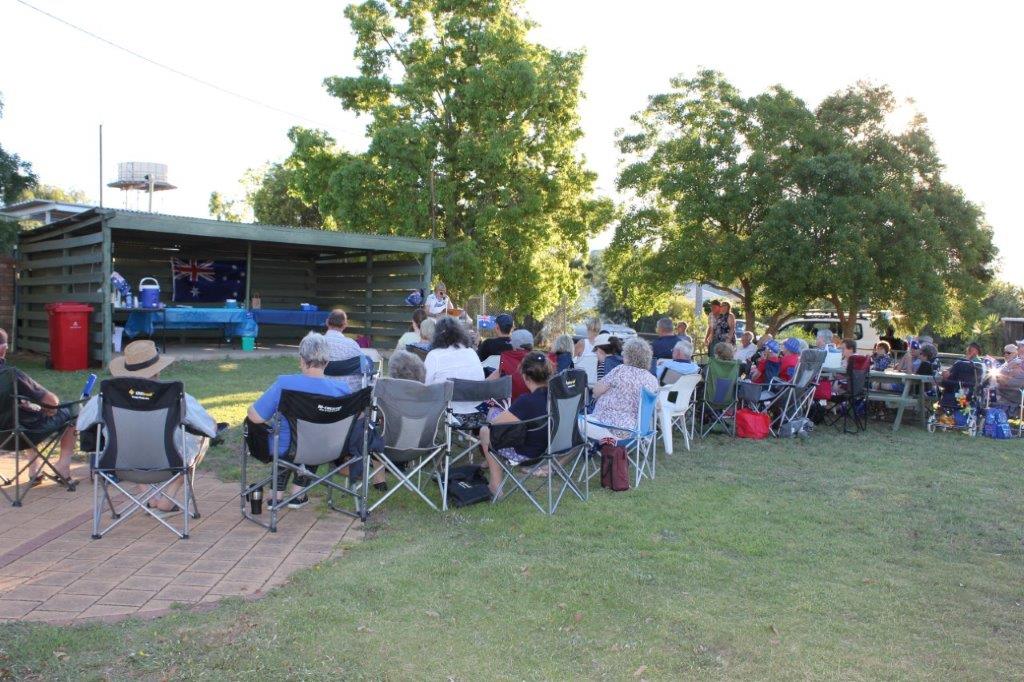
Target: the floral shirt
(620, 404)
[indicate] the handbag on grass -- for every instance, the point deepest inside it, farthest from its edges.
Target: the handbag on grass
(467, 485)
(614, 467)
(751, 424)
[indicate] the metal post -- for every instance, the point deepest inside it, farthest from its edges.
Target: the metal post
(101, 165)
(248, 275)
(152, 180)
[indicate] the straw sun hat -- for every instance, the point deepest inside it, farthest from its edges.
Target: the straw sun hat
(140, 359)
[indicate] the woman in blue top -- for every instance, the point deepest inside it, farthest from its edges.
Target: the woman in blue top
(314, 353)
(536, 371)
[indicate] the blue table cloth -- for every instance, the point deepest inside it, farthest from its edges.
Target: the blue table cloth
(232, 320)
(296, 318)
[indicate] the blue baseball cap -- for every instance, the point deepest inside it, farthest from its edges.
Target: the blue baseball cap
(773, 346)
(915, 345)
(792, 345)
(504, 321)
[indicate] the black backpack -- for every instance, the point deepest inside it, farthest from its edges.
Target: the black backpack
(467, 485)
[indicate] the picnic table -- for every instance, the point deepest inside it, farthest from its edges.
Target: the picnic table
(911, 392)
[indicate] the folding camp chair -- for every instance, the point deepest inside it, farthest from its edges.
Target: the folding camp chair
(640, 442)
(417, 351)
(320, 427)
(802, 388)
(675, 404)
(141, 439)
(719, 400)
(352, 367)
(411, 418)
(566, 453)
(491, 362)
(851, 406)
(15, 437)
(467, 428)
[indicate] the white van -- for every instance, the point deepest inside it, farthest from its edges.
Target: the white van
(811, 323)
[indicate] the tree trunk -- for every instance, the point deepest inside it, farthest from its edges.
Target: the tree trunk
(748, 307)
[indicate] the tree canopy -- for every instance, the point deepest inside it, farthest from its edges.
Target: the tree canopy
(472, 132)
(785, 205)
(16, 176)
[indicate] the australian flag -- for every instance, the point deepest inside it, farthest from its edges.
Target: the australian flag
(206, 281)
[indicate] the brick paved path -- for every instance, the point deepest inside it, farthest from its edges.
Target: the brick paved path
(51, 570)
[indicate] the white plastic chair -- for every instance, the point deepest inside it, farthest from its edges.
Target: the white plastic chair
(675, 403)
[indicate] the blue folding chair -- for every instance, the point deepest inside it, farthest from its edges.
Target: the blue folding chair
(641, 443)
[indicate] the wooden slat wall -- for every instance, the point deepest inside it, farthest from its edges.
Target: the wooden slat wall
(373, 294)
(62, 265)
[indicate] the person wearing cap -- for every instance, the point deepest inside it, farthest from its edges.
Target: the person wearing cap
(768, 367)
(40, 416)
(1010, 377)
(141, 360)
(500, 343)
(452, 357)
(438, 303)
(522, 343)
(791, 348)
(909, 361)
(609, 354)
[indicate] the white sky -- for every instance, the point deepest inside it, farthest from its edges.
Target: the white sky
(959, 61)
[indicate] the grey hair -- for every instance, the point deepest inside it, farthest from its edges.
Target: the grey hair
(825, 335)
(684, 348)
(637, 353)
(563, 344)
(314, 350)
(929, 351)
(405, 365)
(725, 351)
(427, 328)
(666, 324)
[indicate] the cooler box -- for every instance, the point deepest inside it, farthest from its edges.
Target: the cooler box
(69, 335)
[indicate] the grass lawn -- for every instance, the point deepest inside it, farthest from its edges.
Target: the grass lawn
(882, 555)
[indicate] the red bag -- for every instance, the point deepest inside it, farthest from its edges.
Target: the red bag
(824, 390)
(614, 467)
(751, 424)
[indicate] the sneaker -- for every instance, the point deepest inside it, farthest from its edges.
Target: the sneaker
(299, 502)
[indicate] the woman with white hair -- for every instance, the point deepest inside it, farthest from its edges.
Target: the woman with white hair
(618, 393)
(314, 353)
(585, 346)
(405, 365)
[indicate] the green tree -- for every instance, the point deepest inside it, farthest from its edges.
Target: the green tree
(16, 176)
(54, 193)
(472, 140)
(872, 224)
(222, 208)
(290, 193)
(705, 166)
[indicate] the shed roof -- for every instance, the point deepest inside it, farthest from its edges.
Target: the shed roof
(118, 219)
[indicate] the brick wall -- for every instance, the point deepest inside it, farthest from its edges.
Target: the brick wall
(7, 293)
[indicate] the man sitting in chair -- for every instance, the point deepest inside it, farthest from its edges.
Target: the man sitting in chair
(141, 359)
(343, 348)
(681, 364)
(314, 354)
(40, 416)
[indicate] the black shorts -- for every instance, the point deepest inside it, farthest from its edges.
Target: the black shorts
(43, 426)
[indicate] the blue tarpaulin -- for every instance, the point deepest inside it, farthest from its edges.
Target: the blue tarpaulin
(234, 321)
(297, 318)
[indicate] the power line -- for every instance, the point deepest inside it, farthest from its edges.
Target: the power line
(173, 70)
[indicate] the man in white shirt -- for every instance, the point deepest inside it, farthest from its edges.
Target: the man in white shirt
(438, 303)
(747, 348)
(343, 348)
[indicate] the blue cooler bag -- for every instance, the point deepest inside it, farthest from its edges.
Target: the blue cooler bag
(996, 425)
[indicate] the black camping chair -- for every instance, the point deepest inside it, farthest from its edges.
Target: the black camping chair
(16, 438)
(566, 453)
(850, 408)
(320, 427)
(141, 439)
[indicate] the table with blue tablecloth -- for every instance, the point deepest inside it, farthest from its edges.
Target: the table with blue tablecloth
(233, 321)
(294, 318)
